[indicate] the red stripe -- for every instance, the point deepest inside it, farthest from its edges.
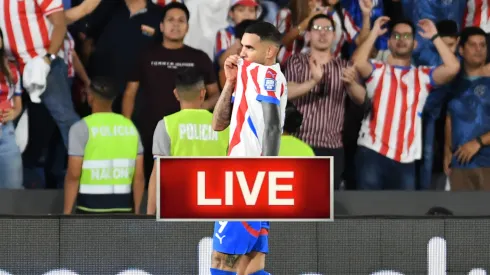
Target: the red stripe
(4, 88)
(254, 74)
(45, 4)
(242, 109)
(411, 134)
(41, 22)
(465, 16)
(376, 101)
(390, 109)
(478, 13)
(26, 32)
(400, 140)
(250, 230)
(10, 31)
(219, 46)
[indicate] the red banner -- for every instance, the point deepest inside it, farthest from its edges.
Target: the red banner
(245, 188)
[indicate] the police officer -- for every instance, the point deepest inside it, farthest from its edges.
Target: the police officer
(189, 131)
(290, 145)
(105, 164)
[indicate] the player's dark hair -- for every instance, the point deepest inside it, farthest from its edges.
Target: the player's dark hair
(266, 31)
(3, 68)
(240, 28)
(176, 5)
(103, 87)
(404, 22)
(320, 16)
(466, 33)
(293, 119)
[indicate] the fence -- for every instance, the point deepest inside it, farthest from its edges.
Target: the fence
(361, 246)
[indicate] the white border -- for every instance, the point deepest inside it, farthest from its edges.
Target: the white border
(245, 219)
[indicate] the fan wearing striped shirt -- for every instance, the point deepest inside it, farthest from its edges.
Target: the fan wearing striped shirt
(390, 139)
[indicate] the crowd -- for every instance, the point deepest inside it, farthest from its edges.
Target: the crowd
(394, 90)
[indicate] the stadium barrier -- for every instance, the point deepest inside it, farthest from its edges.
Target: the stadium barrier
(138, 245)
(357, 203)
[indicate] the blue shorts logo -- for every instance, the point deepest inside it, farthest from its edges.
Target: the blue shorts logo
(270, 84)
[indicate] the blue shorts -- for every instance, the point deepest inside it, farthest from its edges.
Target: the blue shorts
(240, 238)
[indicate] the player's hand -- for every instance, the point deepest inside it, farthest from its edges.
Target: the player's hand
(316, 70)
(349, 75)
(379, 27)
(448, 155)
(428, 28)
(465, 153)
(7, 115)
(366, 6)
(231, 68)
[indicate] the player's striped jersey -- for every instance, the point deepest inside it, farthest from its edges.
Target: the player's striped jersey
(255, 84)
(398, 95)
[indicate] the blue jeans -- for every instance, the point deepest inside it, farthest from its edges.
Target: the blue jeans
(377, 172)
(58, 102)
(425, 164)
(10, 158)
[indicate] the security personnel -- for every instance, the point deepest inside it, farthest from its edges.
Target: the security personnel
(290, 145)
(105, 164)
(189, 131)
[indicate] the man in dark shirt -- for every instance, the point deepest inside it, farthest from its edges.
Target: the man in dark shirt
(155, 72)
(132, 27)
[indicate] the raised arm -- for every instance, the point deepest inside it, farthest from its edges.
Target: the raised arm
(360, 57)
(222, 111)
(450, 64)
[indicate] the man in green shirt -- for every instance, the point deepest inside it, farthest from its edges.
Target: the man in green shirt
(188, 132)
(105, 164)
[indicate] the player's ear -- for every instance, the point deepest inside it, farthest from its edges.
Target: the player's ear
(271, 52)
(176, 94)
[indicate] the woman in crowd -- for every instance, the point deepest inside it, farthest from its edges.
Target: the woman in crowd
(293, 20)
(10, 108)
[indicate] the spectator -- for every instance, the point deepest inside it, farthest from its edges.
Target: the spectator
(467, 154)
(239, 31)
(10, 108)
(433, 122)
(226, 44)
(315, 87)
(105, 167)
(189, 131)
(154, 75)
(477, 14)
(390, 135)
(131, 28)
(41, 41)
(290, 145)
(293, 21)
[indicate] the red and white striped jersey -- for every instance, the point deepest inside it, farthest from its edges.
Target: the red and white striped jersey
(224, 39)
(398, 94)
(7, 91)
(165, 2)
(477, 14)
(255, 84)
(26, 28)
(284, 24)
(69, 47)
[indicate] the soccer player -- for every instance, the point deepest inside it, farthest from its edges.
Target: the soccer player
(255, 112)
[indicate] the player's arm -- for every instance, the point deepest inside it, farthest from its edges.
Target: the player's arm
(272, 129)
(77, 140)
(222, 111)
(138, 179)
(161, 147)
(360, 58)
(450, 63)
